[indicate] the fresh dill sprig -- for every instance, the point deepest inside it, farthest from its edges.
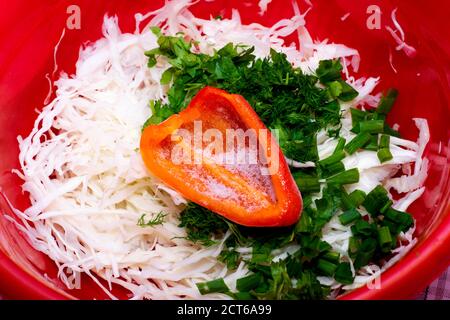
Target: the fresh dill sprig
(157, 220)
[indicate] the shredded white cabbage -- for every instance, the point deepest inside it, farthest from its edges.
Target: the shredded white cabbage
(262, 4)
(410, 51)
(88, 185)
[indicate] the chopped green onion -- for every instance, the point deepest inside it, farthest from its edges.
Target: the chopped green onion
(346, 203)
(402, 220)
(365, 252)
(362, 228)
(357, 197)
(332, 256)
(335, 157)
(357, 142)
(357, 116)
(384, 155)
(346, 177)
(333, 169)
(373, 143)
(326, 267)
(386, 206)
(348, 93)
(217, 285)
(340, 145)
(243, 296)
(353, 246)
(384, 141)
(376, 200)
(307, 183)
(344, 273)
(387, 101)
(378, 116)
(393, 227)
(371, 126)
(384, 238)
(349, 216)
(249, 282)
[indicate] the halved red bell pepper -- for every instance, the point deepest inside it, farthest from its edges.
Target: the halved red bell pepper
(257, 194)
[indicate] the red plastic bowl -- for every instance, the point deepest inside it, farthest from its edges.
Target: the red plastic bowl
(30, 30)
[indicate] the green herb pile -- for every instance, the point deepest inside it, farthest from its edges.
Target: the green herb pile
(298, 106)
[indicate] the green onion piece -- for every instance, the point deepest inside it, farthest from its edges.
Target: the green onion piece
(353, 246)
(243, 296)
(378, 116)
(362, 228)
(357, 142)
(373, 143)
(393, 227)
(332, 256)
(386, 206)
(344, 273)
(384, 238)
(357, 197)
(365, 252)
(217, 285)
(402, 220)
(340, 145)
(333, 169)
(387, 101)
(249, 282)
(307, 183)
(346, 177)
(357, 117)
(349, 216)
(348, 93)
(346, 203)
(335, 157)
(326, 267)
(376, 200)
(385, 141)
(156, 30)
(371, 126)
(384, 155)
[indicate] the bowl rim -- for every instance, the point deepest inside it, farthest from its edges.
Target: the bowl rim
(405, 278)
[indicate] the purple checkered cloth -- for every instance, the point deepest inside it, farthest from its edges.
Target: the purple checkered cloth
(439, 289)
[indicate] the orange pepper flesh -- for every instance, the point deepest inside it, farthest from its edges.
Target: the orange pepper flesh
(239, 192)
